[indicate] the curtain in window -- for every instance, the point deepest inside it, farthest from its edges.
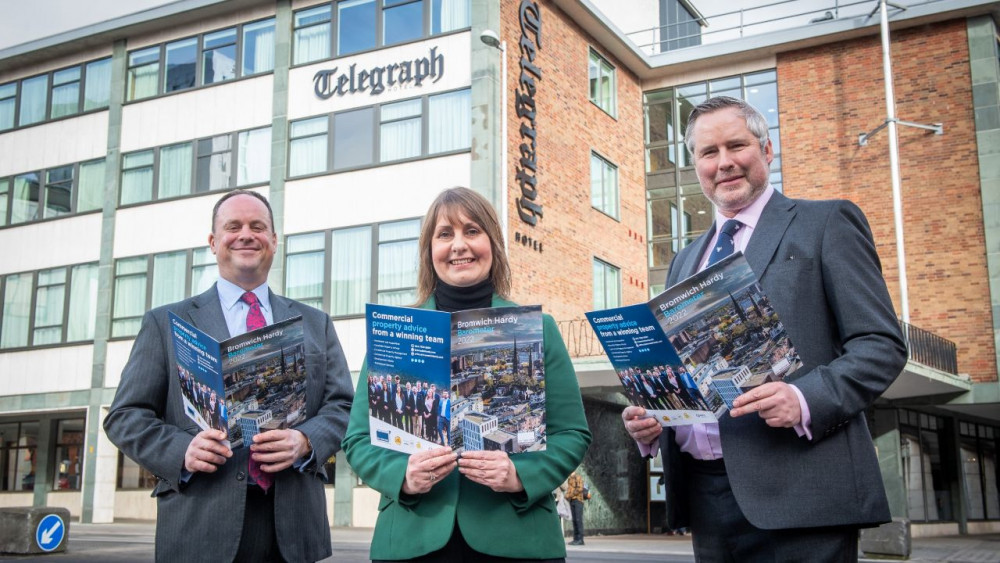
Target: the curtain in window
(16, 311)
(143, 81)
(82, 303)
(305, 278)
(175, 170)
(90, 195)
(169, 273)
(254, 157)
(312, 43)
(397, 265)
(449, 121)
(258, 47)
(452, 14)
(97, 90)
(137, 178)
(65, 99)
(308, 153)
(34, 96)
(130, 296)
(204, 270)
(8, 93)
(49, 299)
(918, 479)
(350, 271)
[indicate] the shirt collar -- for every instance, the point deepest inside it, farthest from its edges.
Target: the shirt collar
(230, 293)
(750, 214)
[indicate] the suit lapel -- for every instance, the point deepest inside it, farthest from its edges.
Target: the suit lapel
(771, 227)
(206, 314)
(281, 309)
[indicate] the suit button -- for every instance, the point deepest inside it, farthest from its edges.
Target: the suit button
(241, 476)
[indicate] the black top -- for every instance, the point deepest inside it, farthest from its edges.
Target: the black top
(451, 298)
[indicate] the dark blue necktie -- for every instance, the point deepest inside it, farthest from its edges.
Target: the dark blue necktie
(725, 245)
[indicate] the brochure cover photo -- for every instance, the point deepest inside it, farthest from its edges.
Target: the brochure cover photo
(245, 385)
(471, 379)
(691, 350)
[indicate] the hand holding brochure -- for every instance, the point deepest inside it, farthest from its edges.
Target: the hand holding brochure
(690, 351)
(245, 385)
(472, 379)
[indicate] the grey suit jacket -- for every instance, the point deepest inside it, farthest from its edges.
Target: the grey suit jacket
(817, 263)
(201, 520)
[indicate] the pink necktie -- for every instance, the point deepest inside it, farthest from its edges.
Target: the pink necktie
(255, 320)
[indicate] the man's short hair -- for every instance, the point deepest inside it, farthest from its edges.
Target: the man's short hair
(234, 193)
(756, 122)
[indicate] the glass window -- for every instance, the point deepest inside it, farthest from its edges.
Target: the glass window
(355, 26)
(449, 120)
(602, 83)
(204, 270)
(175, 170)
(254, 160)
(402, 20)
(350, 271)
(16, 310)
(400, 133)
(131, 475)
(130, 296)
(34, 98)
(258, 47)
(69, 454)
(8, 101)
(58, 191)
(169, 277)
(143, 71)
(353, 143)
(18, 441)
(304, 268)
(82, 303)
(218, 60)
(448, 15)
(90, 190)
(603, 185)
(215, 163)
(607, 285)
(97, 92)
(65, 92)
(308, 146)
(397, 262)
(25, 203)
(312, 34)
(4, 193)
(181, 60)
(50, 296)
(137, 177)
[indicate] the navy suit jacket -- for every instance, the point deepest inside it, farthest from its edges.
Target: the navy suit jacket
(201, 520)
(817, 263)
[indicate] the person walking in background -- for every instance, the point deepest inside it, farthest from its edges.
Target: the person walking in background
(576, 496)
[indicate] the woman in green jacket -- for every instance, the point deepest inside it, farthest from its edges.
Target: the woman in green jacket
(485, 505)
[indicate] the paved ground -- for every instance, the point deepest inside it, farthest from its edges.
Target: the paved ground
(133, 541)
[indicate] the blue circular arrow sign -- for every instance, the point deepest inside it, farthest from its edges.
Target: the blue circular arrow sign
(50, 533)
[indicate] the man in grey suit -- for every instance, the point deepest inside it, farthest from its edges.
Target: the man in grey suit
(791, 473)
(209, 507)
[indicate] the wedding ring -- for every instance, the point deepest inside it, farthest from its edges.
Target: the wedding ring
(433, 477)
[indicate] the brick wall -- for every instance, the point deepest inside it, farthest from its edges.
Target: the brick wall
(828, 95)
(568, 128)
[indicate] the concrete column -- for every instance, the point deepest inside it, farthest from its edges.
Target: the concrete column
(890, 459)
(43, 449)
(343, 493)
(486, 98)
(104, 482)
(279, 136)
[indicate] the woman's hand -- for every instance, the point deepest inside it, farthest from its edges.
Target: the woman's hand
(425, 469)
(491, 468)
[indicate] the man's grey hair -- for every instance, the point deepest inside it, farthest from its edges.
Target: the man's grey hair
(756, 122)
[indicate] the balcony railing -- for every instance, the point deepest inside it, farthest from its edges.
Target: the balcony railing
(755, 20)
(930, 349)
(922, 346)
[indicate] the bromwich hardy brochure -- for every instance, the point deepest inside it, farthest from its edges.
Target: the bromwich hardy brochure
(245, 385)
(474, 380)
(690, 351)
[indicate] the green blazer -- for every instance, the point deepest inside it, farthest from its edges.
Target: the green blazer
(521, 525)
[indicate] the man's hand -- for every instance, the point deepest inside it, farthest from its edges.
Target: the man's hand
(775, 402)
(275, 450)
(427, 468)
(641, 428)
(493, 469)
(206, 453)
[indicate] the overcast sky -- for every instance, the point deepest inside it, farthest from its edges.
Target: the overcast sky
(28, 20)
